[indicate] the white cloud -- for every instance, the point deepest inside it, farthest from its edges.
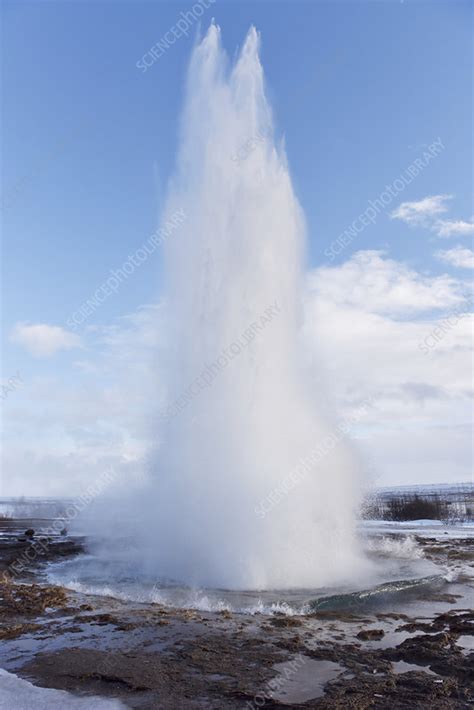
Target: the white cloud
(459, 256)
(371, 282)
(451, 228)
(425, 213)
(86, 366)
(422, 211)
(43, 340)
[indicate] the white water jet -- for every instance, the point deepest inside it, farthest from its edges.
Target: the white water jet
(228, 506)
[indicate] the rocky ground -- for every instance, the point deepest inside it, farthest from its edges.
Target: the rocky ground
(149, 656)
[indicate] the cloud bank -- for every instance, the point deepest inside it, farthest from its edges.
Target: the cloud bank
(366, 321)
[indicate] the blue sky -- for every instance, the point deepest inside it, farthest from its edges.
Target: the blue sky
(358, 89)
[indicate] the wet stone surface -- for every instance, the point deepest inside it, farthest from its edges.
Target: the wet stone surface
(150, 656)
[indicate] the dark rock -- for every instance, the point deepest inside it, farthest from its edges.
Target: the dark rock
(424, 649)
(371, 634)
(285, 621)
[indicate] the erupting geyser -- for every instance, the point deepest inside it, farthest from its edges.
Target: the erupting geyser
(239, 498)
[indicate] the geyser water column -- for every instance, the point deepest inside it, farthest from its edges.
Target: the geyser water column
(232, 438)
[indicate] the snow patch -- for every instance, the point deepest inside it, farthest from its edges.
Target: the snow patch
(19, 694)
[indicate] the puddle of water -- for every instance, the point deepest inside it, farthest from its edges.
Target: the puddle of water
(393, 638)
(466, 643)
(403, 667)
(304, 680)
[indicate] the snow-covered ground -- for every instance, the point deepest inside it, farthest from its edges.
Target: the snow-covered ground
(19, 694)
(427, 528)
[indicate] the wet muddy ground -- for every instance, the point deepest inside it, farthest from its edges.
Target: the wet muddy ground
(150, 656)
